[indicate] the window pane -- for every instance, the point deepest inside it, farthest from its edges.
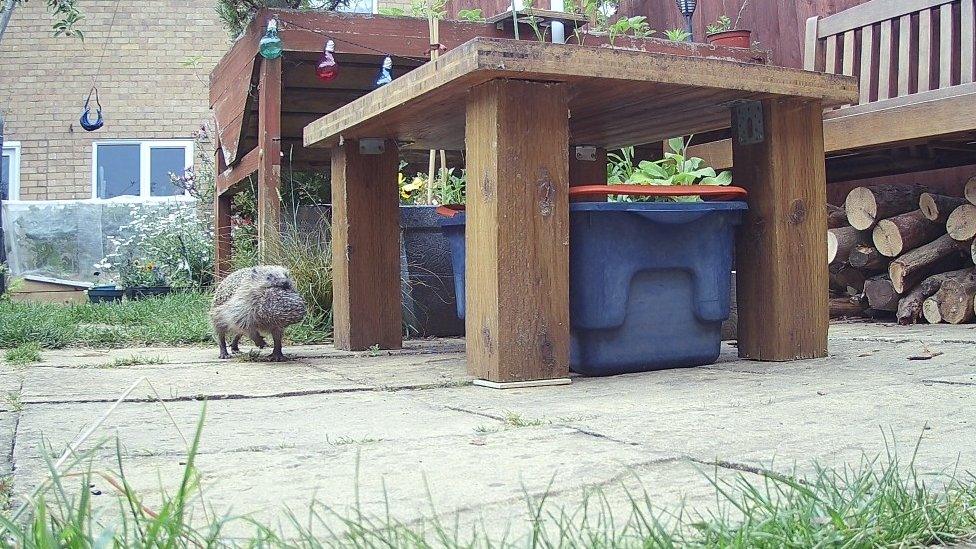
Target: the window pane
(162, 162)
(357, 6)
(5, 178)
(117, 170)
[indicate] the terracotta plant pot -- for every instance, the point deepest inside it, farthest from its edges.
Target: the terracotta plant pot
(731, 38)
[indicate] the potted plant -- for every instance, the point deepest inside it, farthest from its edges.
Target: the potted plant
(649, 269)
(725, 32)
(425, 254)
(143, 279)
(105, 293)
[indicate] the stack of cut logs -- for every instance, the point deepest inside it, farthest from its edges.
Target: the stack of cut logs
(904, 251)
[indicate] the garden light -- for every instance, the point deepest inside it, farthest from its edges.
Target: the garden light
(687, 9)
(270, 46)
(385, 76)
(327, 69)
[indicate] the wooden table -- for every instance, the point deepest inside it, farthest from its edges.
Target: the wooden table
(518, 109)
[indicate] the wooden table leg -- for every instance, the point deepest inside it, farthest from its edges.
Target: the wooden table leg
(365, 248)
(517, 281)
(781, 258)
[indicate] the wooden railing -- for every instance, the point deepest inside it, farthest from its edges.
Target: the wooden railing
(896, 47)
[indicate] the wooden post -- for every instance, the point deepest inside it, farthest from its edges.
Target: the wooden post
(222, 238)
(366, 297)
(517, 234)
(269, 166)
(781, 258)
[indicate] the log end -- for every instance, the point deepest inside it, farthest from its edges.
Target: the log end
(896, 271)
(971, 190)
(887, 238)
(961, 224)
(861, 207)
(926, 203)
(930, 311)
(831, 247)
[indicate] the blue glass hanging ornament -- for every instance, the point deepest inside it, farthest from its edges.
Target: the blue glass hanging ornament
(270, 46)
(385, 75)
(86, 122)
(327, 69)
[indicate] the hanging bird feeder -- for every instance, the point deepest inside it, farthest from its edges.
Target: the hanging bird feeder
(86, 122)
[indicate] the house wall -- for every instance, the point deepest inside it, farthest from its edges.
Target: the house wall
(151, 69)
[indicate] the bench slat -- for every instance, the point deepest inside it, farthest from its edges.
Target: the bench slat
(849, 39)
(810, 47)
(967, 31)
(830, 55)
(904, 54)
(867, 62)
(872, 12)
(945, 45)
(884, 61)
(924, 50)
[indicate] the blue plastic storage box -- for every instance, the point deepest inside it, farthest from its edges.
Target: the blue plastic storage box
(649, 282)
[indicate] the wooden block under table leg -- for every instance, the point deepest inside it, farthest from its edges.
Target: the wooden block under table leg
(366, 297)
(517, 234)
(781, 260)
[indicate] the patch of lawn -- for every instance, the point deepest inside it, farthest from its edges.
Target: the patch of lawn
(25, 353)
(133, 360)
(176, 319)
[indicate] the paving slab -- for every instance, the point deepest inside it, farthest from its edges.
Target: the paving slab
(415, 477)
(259, 424)
(82, 357)
(407, 432)
(209, 380)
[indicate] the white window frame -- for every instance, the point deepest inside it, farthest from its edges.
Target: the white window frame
(374, 9)
(11, 149)
(145, 149)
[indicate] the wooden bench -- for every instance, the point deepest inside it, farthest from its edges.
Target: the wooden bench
(914, 60)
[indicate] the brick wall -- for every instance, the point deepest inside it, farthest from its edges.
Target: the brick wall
(152, 70)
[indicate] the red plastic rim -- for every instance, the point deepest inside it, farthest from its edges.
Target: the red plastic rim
(449, 210)
(707, 192)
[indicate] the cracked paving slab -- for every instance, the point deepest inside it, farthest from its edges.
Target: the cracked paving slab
(400, 422)
(86, 358)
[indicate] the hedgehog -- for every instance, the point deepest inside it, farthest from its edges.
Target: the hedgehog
(253, 301)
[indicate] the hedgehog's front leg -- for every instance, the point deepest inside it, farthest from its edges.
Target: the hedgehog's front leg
(222, 340)
(276, 354)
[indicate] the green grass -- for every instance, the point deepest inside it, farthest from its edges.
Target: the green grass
(176, 319)
(133, 360)
(878, 502)
(25, 353)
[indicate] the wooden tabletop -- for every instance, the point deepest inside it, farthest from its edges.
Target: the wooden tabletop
(617, 97)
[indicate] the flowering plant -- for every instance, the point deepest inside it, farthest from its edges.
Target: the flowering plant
(137, 273)
(162, 243)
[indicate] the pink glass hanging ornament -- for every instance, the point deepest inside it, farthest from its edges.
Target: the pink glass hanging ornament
(327, 69)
